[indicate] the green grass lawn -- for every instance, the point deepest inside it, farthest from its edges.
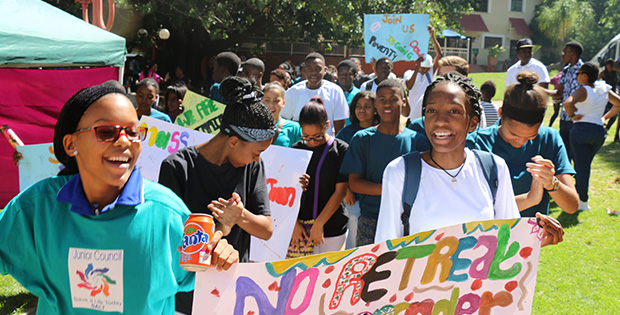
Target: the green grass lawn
(578, 276)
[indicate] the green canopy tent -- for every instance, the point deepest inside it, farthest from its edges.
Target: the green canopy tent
(34, 33)
(46, 55)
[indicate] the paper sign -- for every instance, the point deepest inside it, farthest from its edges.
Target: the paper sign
(397, 36)
(283, 167)
(163, 139)
(38, 163)
(484, 267)
(201, 113)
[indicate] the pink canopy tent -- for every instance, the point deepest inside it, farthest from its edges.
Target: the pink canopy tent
(46, 56)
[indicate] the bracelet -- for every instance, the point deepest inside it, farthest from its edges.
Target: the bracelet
(556, 185)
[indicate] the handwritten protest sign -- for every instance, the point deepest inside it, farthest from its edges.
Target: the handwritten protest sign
(38, 163)
(163, 139)
(201, 113)
(283, 166)
(486, 267)
(397, 36)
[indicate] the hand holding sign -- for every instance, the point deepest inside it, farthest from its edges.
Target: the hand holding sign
(395, 36)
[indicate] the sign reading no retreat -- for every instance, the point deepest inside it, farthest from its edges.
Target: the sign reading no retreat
(397, 36)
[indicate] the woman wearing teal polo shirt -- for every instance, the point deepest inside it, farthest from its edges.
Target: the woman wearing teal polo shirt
(99, 238)
(535, 155)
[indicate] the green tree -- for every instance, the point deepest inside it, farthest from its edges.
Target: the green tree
(563, 19)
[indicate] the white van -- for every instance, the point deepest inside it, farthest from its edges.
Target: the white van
(610, 50)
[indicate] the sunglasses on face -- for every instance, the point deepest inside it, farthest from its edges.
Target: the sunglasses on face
(112, 133)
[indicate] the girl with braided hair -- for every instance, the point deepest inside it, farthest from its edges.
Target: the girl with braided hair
(225, 176)
(451, 107)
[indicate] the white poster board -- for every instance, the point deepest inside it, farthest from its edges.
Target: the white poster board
(486, 267)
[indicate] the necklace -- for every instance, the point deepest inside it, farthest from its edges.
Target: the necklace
(443, 169)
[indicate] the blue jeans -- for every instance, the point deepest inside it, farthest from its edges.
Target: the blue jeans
(586, 139)
(565, 128)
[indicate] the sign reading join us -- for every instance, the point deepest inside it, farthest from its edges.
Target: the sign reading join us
(396, 36)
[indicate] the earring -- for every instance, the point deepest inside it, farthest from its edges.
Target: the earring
(75, 152)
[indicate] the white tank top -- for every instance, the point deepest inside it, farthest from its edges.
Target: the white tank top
(593, 108)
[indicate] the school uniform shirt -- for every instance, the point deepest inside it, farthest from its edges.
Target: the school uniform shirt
(547, 144)
(345, 134)
(440, 202)
(328, 178)
(416, 93)
(533, 66)
(124, 260)
(368, 154)
(289, 134)
(333, 97)
(159, 115)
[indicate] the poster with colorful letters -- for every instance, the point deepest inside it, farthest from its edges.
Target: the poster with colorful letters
(283, 167)
(200, 113)
(38, 162)
(400, 37)
(486, 267)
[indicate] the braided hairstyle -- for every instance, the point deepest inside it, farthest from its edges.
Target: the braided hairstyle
(471, 92)
(244, 107)
(70, 116)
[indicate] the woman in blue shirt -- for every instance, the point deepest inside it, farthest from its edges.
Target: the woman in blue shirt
(535, 155)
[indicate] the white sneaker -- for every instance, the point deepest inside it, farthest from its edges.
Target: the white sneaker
(583, 206)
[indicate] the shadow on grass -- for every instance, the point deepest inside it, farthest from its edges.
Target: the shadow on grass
(24, 301)
(610, 153)
(569, 220)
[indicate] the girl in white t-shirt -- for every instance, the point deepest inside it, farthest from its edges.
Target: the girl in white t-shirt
(452, 188)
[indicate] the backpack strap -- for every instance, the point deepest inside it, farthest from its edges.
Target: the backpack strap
(413, 170)
(489, 169)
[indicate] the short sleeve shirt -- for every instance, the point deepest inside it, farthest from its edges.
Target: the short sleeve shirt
(333, 98)
(547, 144)
(369, 153)
(569, 81)
(329, 176)
(198, 182)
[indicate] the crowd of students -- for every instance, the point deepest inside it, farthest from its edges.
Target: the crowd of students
(370, 178)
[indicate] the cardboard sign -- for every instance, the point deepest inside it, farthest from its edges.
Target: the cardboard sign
(486, 267)
(396, 36)
(38, 162)
(201, 113)
(283, 167)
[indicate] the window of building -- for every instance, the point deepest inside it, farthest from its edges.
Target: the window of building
(490, 41)
(480, 5)
(516, 5)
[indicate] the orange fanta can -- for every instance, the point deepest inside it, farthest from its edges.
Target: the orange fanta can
(198, 231)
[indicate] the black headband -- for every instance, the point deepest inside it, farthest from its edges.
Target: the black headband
(522, 115)
(248, 134)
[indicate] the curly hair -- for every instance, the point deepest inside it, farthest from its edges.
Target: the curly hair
(472, 93)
